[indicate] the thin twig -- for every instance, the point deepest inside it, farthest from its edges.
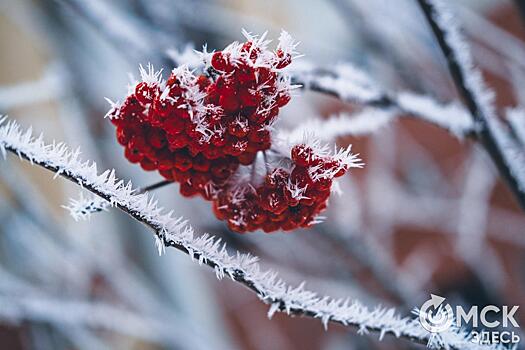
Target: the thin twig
(82, 208)
(520, 4)
(155, 186)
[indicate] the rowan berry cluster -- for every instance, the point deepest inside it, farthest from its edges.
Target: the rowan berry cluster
(201, 129)
(289, 197)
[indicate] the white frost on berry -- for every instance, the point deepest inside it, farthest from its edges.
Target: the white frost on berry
(296, 191)
(346, 157)
(113, 110)
(150, 76)
(287, 44)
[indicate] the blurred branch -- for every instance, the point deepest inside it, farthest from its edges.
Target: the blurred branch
(520, 4)
(376, 268)
(97, 315)
(470, 84)
(372, 40)
(351, 85)
(21, 301)
(46, 88)
(125, 35)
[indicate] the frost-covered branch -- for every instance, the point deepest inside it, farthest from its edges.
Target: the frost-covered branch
(83, 207)
(243, 268)
(477, 97)
(365, 122)
(516, 119)
(370, 120)
(352, 85)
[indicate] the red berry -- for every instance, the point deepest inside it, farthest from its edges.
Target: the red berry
(219, 61)
(259, 135)
(182, 112)
(187, 190)
(166, 161)
(123, 136)
(302, 155)
(238, 127)
(212, 152)
(145, 92)
(245, 74)
(203, 82)
(247, 158)
(218, 140)
(178, 141)
(283, 59)
(229, 103)
(183, 162)
(131, 109)
(133, 155)
(301, 177)
(323, 184)
(270, 226)
(174, 125)
(167, 174)
(283, 99)
(181, 176)
(147, 164)
(200, 163)
(236, 147)
(249, 98)
(157, 138)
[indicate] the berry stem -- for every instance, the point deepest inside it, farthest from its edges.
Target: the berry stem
(266, 163)
(254, 169)
(155, 186)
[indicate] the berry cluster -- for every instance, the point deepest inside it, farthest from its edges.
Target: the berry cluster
(204, 130)
(196, 130)
(288, 198)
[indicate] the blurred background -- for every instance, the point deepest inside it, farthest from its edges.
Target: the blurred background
(427, 214)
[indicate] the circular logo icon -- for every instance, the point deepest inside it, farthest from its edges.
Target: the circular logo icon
(438, 319)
